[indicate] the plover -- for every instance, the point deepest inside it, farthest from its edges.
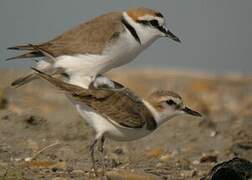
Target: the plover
(119, 114)
(96, 46)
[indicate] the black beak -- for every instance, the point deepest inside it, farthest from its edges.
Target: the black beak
(191, 112)
(170, 35)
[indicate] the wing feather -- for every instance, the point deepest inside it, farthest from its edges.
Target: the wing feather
(87, 38)
(122, 107)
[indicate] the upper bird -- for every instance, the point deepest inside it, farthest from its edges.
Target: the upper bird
(96, 46)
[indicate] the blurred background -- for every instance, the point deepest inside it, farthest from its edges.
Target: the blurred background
(216, 34)
(210, 69)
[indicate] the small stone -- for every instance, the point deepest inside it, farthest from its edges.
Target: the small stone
(188, 173)
(28, 159)
(18, 159)
(54, 169)
(195, 162)
(213, 134)
(165, 158)
(208, 158)
(158, 165)
(78, 171)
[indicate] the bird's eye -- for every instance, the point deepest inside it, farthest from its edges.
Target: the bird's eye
(158, 14)
(170, 102)
(154, 23)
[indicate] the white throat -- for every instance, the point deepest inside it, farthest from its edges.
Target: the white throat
(160, 118)
(157, 116)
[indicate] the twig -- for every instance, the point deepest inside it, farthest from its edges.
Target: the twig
(42, 150)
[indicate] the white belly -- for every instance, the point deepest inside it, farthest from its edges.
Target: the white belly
(104, 127)
(118, 53)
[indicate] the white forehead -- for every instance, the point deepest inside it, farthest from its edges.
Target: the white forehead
(150, 17)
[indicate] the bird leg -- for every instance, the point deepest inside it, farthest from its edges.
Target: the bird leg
(92, 151)
(101, 149)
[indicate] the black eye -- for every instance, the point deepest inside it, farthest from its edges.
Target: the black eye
(170, 102)
(154, 23)
(158, 14)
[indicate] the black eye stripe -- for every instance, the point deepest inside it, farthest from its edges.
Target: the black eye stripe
(144, 22)
(153, 23)
(170, 102)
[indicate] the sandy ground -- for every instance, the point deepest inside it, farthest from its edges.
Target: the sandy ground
(38, 116)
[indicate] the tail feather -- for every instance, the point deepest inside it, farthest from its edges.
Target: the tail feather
(24, 80)
(75, 91)
(35, 51)
(27, 55)
(21, 47)
(32, 76)
(59, 83)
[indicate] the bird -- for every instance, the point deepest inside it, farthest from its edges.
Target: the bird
(118, 113)
(96, 46)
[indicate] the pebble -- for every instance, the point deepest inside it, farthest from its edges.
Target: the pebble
(213, 134)
(188, 173)
(158, 165)
(195, 162)
(165, 158)
(208, 158)
(78, 171)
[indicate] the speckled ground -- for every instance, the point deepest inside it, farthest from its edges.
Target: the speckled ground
(37, 116)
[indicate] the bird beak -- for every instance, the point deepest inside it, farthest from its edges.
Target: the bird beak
(167, 33)
(170, 35)
(191, 112)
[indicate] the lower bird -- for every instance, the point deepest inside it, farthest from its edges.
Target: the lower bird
(117, 113)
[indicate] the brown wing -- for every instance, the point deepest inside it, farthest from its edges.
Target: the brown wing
(122, 107)
(89, 37)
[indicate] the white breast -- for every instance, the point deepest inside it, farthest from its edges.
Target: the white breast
(122, 51)
(118, 53)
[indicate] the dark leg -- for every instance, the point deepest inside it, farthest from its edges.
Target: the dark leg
(92, 151)
(101, 149)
